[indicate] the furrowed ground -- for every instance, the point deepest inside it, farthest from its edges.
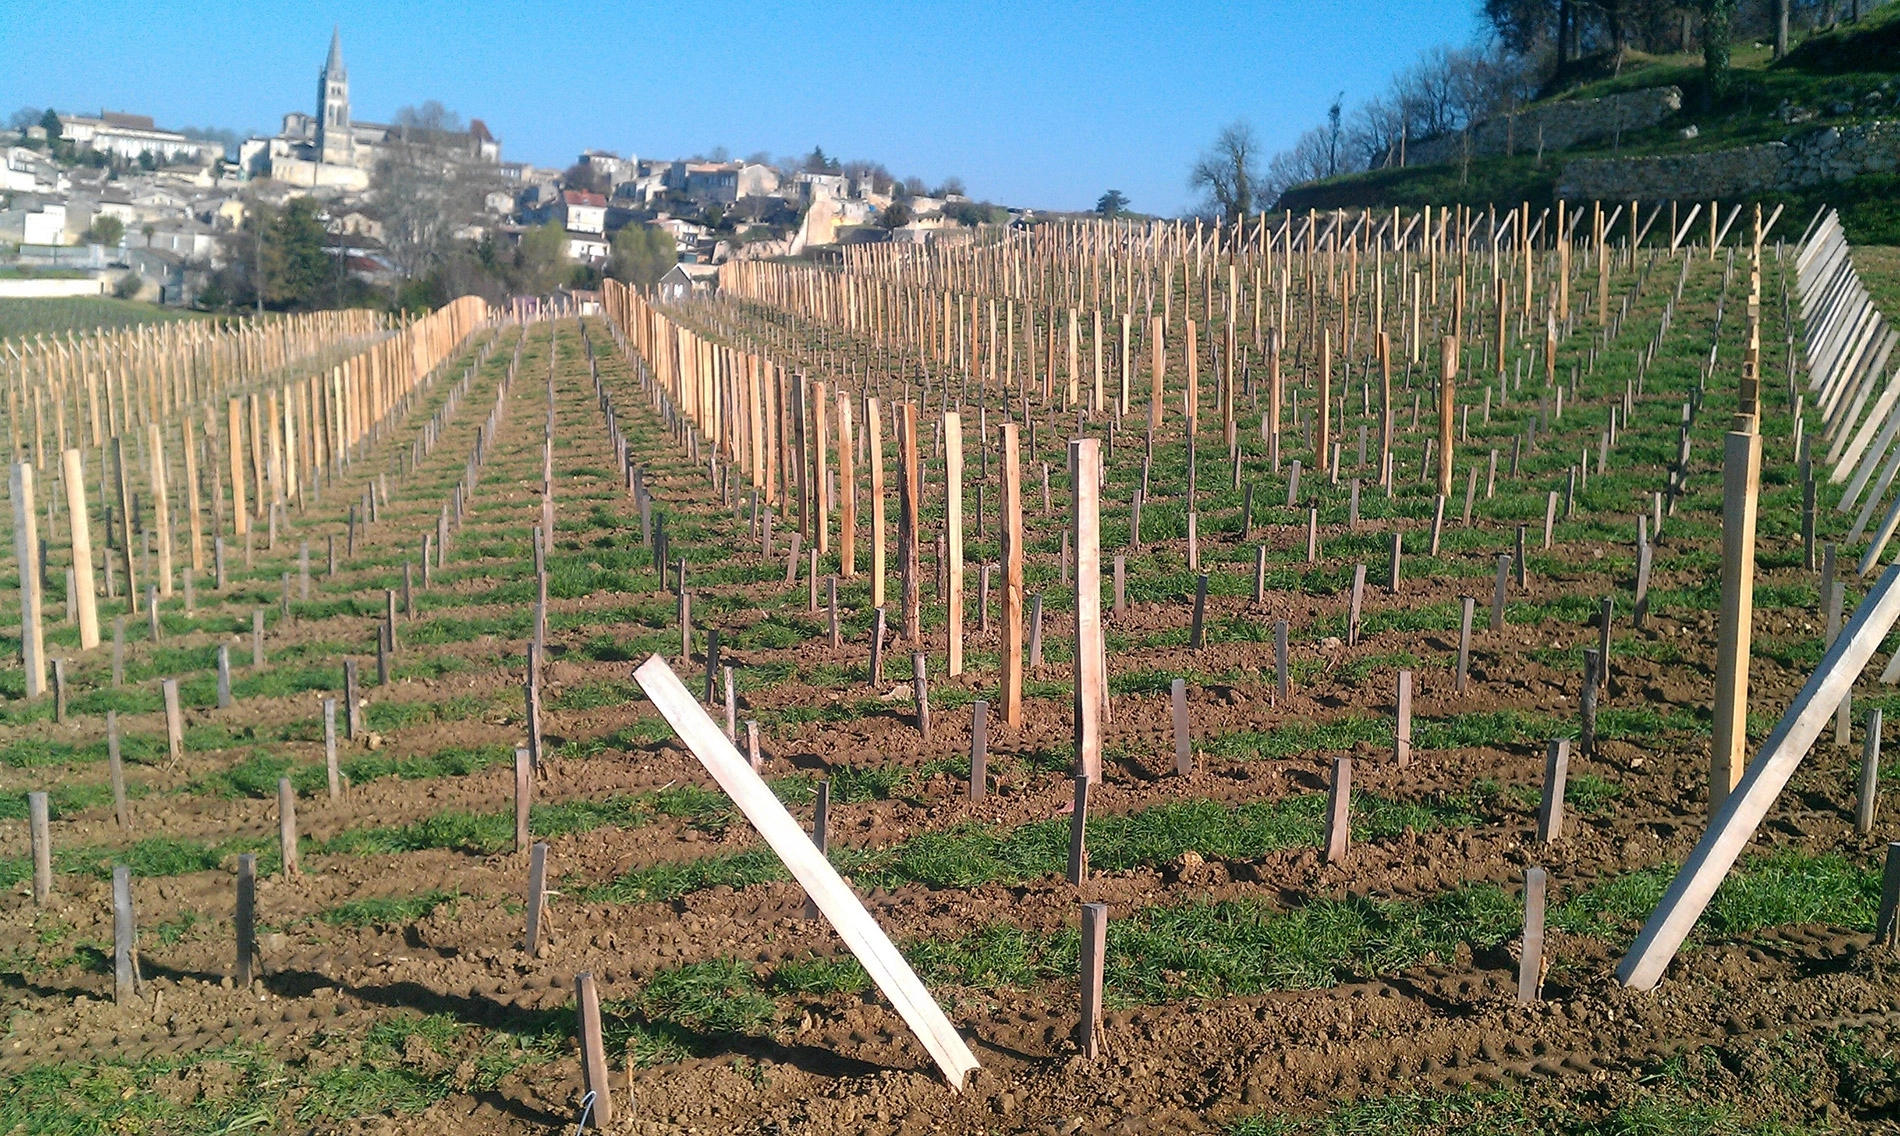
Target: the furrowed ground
(1253, 988)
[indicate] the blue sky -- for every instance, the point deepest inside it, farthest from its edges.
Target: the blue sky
(1043, 105)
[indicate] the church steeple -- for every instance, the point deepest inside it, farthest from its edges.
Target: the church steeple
(335, 144)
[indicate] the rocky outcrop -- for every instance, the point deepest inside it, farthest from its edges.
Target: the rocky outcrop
(1832, 154)
(1562, 124)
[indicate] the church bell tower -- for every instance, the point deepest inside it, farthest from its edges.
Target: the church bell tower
(335, 145)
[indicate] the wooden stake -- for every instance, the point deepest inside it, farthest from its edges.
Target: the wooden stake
(42, 841)
(1530, 963)
(1741, 477)
(125, 970)
(116, 770)
(979, 749)
(1183, 749)
(1078, 832)
(1402, 722)
(1090, 681)
(287, 826)
(953, 526)
(1869, 776)
(1094, 955)
(174, 720)
(246, 920)
(593, 1050)
(537, 896)
(1012, 552)
(1550, 813)
(1339, 811)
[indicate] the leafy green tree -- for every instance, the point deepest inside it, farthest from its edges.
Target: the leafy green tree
(540, 261)
(1112, 204)
(105, 230)
(296, 269)
(641, 254)
(1716, 41)
(50, 121)
(895, 216)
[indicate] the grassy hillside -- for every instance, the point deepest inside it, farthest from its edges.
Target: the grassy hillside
(83, 313)
(1849, 75)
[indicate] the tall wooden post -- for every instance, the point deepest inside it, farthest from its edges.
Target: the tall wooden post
(26, 547)
(953, 529)
(87, 602)
(1447, 402)
(874, 440)
(1085, 465)
(1012, 551)
(909, 503)
(1741, 479)
(847, 492)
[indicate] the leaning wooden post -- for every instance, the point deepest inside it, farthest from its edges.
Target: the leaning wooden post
(1085, 465)
(593, 1050)
(1078, 833)
(866, 940)
(1012, 550)
(1094, 955)
(82, 550)
(26, 547)
(1741, 479)
(953, 531)
(1734, 824)
(524, 794)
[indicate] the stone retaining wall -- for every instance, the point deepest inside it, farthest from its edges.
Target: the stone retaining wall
(1828, 155)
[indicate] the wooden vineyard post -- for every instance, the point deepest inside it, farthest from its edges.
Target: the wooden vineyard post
(1447, 402)
(979, 749)
(287, 826)
(1078, 832)
(820, 831)
(174, 720)
(866, 940)
(909, 517)
(1741, 812)
(246, 919)
(1530, 963)
(524, 794)
(116, 771)
(953, 529)
(1090, 682)
(26, 547)
(873, 428)
(125, 967)
(1869, 776)
(847, 492)
(1183, 746)
(1012, 552)
(331, 770)
(593, 1050)
(920, 693)
(161, 501)
(1094, 955)
(1339, 811)
(82, 550)
(40, 836)
(1550, 811)
(537, 896)
(1741, 478)
(1402, 722)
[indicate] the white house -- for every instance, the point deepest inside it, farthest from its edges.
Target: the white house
(130, 136)
(34, 223)
(583, 212)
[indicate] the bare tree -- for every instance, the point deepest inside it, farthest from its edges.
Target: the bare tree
(423, 187)
(1226, 173)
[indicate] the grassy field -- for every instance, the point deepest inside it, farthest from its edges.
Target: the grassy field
(49, 317)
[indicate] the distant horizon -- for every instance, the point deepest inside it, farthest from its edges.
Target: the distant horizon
(1046, 112)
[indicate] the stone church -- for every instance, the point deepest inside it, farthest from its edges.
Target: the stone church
(330, 150)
